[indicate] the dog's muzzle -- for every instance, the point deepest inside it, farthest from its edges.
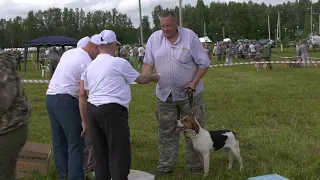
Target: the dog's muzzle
(179, 126)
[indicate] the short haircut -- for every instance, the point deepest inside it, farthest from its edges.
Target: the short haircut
(168, 13)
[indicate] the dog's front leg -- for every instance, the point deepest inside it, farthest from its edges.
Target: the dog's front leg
(206, 163)
(201, 158)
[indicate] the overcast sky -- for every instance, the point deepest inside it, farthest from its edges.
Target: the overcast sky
(12, 8)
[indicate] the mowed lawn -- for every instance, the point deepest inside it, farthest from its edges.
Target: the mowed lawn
(276, 115)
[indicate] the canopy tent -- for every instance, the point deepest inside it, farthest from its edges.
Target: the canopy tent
(205, 39)
(46, 41)
(227, 40)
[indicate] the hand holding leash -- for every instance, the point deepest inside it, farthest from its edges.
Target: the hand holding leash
(190, 98)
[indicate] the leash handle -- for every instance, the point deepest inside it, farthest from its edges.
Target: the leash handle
(190, 98)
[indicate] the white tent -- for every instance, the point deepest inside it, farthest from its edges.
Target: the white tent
(227, 40)
(205, 39)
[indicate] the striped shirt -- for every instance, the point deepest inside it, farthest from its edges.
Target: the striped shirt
(177, 63)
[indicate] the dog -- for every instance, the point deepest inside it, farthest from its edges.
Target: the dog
(261, 65)
(205, 141)
(296, 64)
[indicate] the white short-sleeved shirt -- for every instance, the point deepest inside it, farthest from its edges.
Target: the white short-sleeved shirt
(67, 76)
(108, 80)
(252, 48)
(141, 51)
(131, 52)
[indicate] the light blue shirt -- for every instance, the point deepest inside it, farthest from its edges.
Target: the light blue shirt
(177, 63)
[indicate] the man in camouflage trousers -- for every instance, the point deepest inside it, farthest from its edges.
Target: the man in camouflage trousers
(265, 54)
(178, 55)
(14, 115)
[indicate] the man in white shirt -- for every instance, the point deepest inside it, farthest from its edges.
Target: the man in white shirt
(252, 51)
(88, 153)
(131, 55)
(107, 81)
(53, 58)
(140, 55)
(63, 108)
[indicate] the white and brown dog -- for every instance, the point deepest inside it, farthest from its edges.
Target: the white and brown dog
(205, 141)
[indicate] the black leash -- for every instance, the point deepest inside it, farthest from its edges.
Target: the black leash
(190, 98)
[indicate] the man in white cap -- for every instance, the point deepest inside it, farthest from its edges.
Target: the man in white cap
(83, 42)
(63, 108)
(88, 154)
(107, 83)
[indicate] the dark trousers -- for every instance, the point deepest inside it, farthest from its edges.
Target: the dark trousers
(88, 155)
(11, 144)
(68, 145)
(109, 130)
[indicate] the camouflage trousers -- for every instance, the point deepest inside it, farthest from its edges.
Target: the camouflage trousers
(167, 114)
(11, 144)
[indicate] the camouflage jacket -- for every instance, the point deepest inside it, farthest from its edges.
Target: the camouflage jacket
(265, 51)
(14, 106)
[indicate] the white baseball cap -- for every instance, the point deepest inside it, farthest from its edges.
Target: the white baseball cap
(83, 42)
(95, 39)
(107, 37)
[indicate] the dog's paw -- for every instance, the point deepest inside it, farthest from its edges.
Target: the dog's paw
(205, 174)
(229, 167)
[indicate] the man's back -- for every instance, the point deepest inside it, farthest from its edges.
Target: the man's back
(14, 107)
(265, 52)
(109, 79)
(302, 50)
(219, 50)
(67, 76)
(53, 55)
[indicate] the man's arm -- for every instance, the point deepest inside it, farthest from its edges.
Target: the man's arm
(148, 62)
(147, 68)
(7, 94)
(147, 78)
(201, 58)
(83, 97)
(131, 75)
(199, 74)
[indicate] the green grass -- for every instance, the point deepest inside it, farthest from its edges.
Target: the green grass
(276, 115)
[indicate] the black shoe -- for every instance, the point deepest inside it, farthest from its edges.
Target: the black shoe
(161, 173)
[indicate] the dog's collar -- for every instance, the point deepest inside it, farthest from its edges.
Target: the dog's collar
(191, 134)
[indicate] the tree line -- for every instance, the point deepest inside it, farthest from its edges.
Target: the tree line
(232, 20)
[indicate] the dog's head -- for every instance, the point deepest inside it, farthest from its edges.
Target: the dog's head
(187, 123)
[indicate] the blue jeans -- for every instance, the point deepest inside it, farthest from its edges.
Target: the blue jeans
(68, 145)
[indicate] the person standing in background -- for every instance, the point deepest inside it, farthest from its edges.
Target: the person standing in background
(265, 54)
(131, 55)
(53, 58)
(302, 52)
(140, 55)
(14, 116)
(228, 55)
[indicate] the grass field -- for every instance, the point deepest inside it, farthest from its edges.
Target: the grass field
(276, 115)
